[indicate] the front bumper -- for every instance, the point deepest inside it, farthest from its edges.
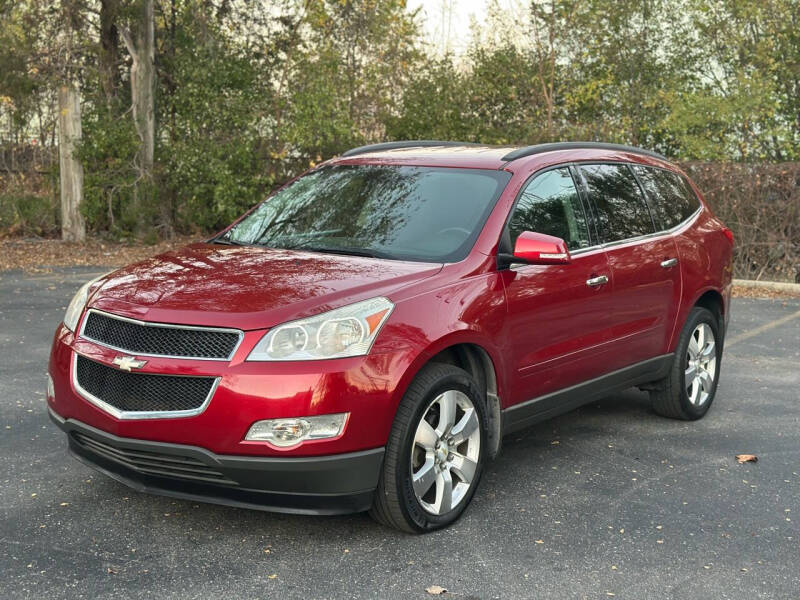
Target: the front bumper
(368, 388)
(321, 485)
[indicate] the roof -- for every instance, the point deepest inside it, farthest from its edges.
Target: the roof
(466, 154)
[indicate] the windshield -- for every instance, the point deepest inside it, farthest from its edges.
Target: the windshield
(405, 213)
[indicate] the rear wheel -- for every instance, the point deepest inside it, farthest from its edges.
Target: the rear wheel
(435, 452)
(688, 390)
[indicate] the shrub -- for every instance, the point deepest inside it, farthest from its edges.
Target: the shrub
(760, 202)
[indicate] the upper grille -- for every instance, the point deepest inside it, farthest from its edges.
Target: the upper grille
(158, 339)
(141, 392)
(152, 463)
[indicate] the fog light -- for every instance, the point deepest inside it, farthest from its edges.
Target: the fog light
(51, 390)
(290, 432)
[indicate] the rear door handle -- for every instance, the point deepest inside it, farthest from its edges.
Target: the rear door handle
(670, 262)
(595, 281)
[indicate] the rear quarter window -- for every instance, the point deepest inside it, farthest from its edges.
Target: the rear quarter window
(671, 197)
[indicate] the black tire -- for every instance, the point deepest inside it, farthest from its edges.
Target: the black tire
(669, 396)
(395, 504)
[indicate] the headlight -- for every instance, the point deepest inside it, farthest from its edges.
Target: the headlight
(78, 303)
(347, 331)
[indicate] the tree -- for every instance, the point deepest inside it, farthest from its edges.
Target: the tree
(745, 102)
(73, 227)
(140, 41)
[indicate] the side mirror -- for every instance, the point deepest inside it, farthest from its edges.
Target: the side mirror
(534, 248)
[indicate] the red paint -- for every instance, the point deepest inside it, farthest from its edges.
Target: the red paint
(541, 249)
(541, 325)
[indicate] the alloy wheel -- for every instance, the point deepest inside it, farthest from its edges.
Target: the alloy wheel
(445, 452)
(701, 365)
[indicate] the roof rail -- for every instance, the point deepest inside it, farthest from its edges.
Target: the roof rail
(405, 144)
(540, 148)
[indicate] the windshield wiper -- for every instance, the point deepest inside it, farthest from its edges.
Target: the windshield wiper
(226, 242)
(347, 251)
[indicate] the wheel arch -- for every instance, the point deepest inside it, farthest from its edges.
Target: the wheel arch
(708, 297)
(476, 361)
(713, 300)
(471, 355)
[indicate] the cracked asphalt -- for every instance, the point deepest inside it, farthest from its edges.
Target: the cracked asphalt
(608, 500)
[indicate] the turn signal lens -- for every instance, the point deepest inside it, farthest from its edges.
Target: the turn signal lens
(346, 331)
(285, 433)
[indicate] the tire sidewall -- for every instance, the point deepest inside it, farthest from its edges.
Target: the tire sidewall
(696, 317)
(415, 514)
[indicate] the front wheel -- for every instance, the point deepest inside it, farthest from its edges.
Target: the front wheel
(688, 390)
(435, 453)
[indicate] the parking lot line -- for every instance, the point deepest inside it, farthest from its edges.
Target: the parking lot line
(761, 329)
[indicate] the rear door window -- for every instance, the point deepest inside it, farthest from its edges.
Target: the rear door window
(550, 204)
(619, 204)
(671, 197)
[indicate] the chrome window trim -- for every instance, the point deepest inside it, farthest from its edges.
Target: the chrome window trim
(640, 238)
(139, 414)
(238, 332)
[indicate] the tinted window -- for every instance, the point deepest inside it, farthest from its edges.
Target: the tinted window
(671, 197)
(618, 200)
(550, 204)
(411, 213)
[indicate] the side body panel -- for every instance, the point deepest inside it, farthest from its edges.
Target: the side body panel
(706, 259)
(557, 332)
(646, 298)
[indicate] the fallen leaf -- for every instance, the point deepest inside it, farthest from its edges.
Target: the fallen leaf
(743, 458)
(436, 590)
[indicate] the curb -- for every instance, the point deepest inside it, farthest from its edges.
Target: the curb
(780, 286)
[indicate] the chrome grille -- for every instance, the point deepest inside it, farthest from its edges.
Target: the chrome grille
(141, 392)
(159, 339)
(152, 463)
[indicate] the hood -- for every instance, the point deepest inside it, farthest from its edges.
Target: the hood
(248, 287)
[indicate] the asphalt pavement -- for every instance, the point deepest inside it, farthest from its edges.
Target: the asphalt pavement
(607, 501)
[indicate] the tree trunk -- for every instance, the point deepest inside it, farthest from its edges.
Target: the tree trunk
(73, 228)
(109, 48)
(142, 51)
(143, 88)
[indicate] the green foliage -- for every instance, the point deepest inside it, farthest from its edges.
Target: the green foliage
(211, 156)
(107, 152)
(250, 94)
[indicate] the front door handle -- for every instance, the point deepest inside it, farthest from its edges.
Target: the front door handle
(595, 281)
(670, 262)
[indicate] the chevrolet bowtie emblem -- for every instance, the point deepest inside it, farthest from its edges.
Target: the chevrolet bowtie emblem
(126, 363)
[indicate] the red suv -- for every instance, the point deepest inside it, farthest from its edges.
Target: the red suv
(364, 338)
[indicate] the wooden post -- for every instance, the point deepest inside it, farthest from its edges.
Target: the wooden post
(73, 227)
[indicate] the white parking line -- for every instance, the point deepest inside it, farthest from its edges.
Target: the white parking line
(760, 329)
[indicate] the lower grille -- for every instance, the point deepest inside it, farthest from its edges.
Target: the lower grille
(142, 392)
(152, 463)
